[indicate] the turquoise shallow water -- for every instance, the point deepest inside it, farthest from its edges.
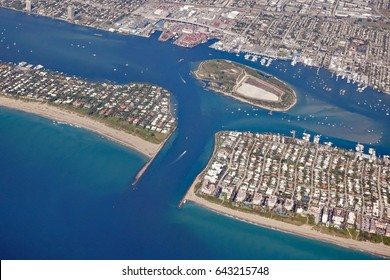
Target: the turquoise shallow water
(65, 192)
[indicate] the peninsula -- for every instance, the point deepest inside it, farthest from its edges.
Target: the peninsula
(135, 115)
(246, 84)
(302, 187)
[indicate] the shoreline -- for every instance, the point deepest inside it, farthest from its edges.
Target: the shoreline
(203, 203)
(149, 162)
(241, 52)
(45, 110)
(241, 98)
(305, 231)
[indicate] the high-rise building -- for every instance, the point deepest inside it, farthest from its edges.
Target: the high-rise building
(70, 13)
(28, 5)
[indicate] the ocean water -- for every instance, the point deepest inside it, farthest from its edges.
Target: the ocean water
(65, 192)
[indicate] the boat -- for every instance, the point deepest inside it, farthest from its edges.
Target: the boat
(269, 62)
(98, 34)
(294, 61)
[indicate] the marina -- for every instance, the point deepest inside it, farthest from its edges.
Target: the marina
(100, 171)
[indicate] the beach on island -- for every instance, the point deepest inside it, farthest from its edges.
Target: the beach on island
(45, 110)
(249, 89)
(303, 231)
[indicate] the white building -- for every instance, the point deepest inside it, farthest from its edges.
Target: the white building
(28, 5)
(351, 218)
(70, 13)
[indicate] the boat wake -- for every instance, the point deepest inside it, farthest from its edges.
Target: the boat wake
(184, 81)
(178, 158)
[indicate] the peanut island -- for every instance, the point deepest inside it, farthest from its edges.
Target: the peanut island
(246, 84)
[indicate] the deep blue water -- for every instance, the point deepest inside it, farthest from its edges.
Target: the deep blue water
(65, 192)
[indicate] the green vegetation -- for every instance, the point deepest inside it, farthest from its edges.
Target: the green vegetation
(221, 73)
(153, 137)
(299, 220)
(212, 199)
(121, 124)
(332, 231)
(372, 237)
(197, 186)
(141, 109)
(354, 233)
(311, 220)
(386, 240)
(224, 76)
(374, 24)
(296, 219)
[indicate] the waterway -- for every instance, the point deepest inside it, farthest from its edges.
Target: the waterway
(66, 192)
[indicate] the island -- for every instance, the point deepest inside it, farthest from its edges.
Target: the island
(137, 115)
(299, 186)
(246, 84)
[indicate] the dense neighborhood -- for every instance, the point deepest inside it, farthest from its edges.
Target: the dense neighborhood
(142, 109)
(290, 176)
(350, 38)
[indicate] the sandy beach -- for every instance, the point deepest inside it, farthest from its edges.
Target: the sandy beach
(250, 92)
(51, 112)
(304, 230)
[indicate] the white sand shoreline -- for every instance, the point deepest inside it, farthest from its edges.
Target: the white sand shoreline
(303, 231)
(45, 110)
(241, 97)
(251, 91)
